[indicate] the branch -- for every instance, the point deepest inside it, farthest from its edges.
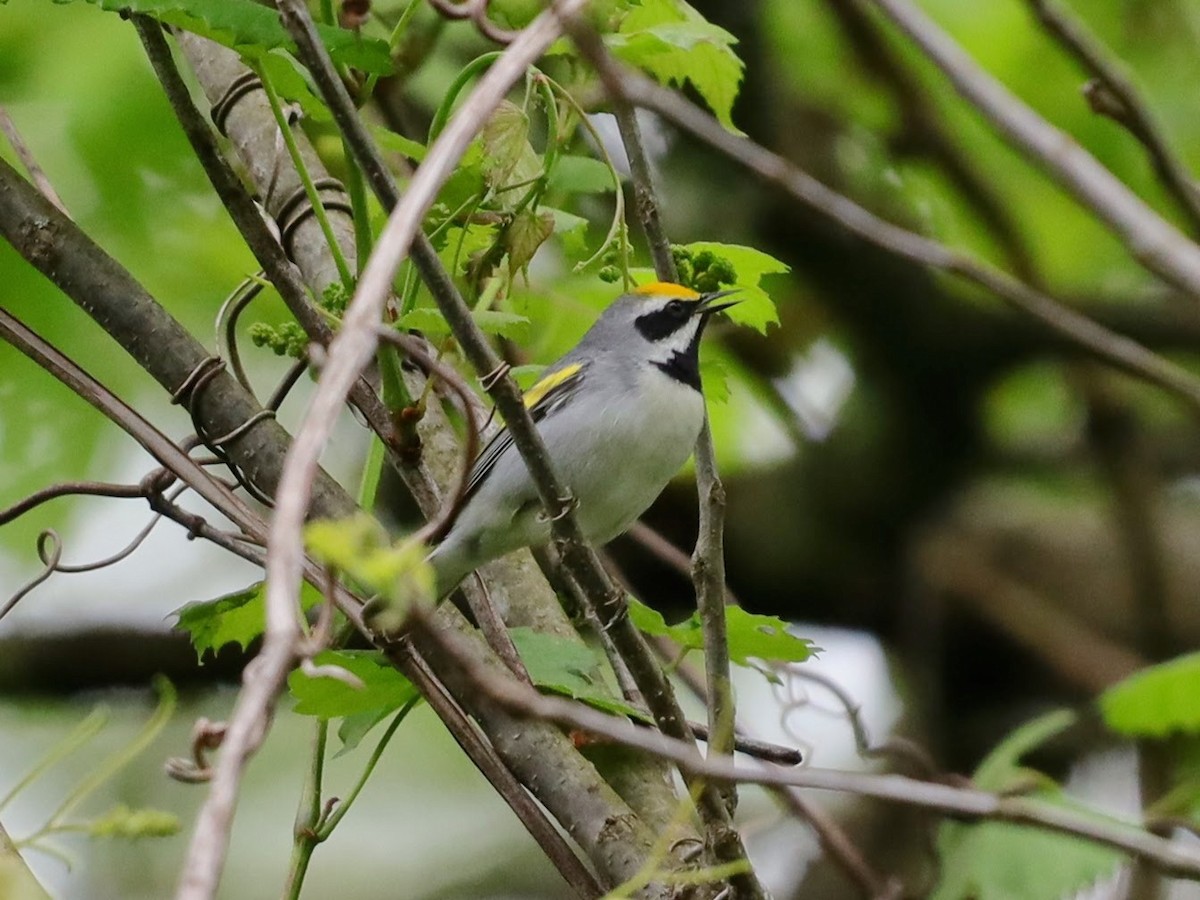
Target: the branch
(1172, 858)
(1117, 350)
(708, 561)
(158, 445)
(1113, 94)
(499, 776)
(98, 284)
(242, 110)
(357, 342)
(922, 130)
(249, 221)
(36, 174)
(1151, 239)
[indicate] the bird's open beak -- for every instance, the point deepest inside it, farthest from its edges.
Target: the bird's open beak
(708, 302)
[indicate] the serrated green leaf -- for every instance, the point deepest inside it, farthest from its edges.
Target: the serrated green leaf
(501, 323)
(582, 175)
(357, 726)
(528, 231)
(122, 822)
(647, 620)
(508, 157)
(361, 548)
(997, 861)
(384, 689)
(237, 618)
(563, 666)
(756, 308)
(750, 635)
(1156, 701)
(674, 43)
(459, 245)
(251, 28)
(1001, 768)
(763, 637)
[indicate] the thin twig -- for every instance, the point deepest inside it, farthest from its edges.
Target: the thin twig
(71, 489)
(1148, 236)
(1180, 860)
(841, 849)
(833, 838)
(771, 752)
(549, 839)
(530, 751)
(657, 545)
(435, 529)
(921, 129)
(153, 441)
(1113, 348)
(36, 173)
(1114, 95)
(249, 221)
(357, 339)
(708, 560)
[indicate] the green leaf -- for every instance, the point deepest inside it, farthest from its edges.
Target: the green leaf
(763, 637)
(1156, 701)
(508, 157)
(582, 175)
(461, 245)
(252, 28)
(528, 231)
(563, 666)
(122, 822)
(236, 618)
(750, 635)
(995, 861)
(998, 861)
(398, 143)
(571, 230)
(384, 689)
(361, 548)
(357, 726)
(674, 43)
(1001, 769)
(756, 308)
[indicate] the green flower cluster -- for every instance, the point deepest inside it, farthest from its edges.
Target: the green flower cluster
(704, 271)
(289, 338)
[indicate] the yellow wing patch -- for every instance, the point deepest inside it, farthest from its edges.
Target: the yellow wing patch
(536, 393)
(667, 289)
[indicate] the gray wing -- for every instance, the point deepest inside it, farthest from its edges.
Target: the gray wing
(555, 389)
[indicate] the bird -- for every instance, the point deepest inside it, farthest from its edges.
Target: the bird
(619, 413)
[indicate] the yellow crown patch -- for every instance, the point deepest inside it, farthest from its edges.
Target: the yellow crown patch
(666, 289)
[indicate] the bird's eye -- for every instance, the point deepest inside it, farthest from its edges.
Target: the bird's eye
(677, 308)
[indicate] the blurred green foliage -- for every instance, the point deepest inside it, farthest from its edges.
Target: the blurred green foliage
(534, 202)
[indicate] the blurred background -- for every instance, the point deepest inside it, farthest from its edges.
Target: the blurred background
(975, 523)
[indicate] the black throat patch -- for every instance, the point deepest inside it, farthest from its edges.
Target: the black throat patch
(684, 365)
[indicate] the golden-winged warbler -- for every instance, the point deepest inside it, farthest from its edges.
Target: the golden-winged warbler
(620, 414)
